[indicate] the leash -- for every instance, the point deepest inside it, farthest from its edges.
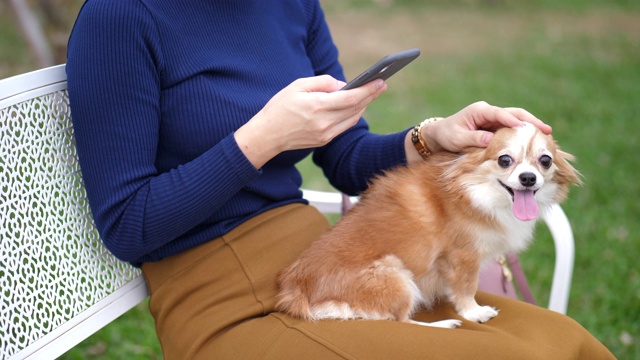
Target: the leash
(520, 278)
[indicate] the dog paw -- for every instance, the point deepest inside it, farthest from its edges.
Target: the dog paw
(480, 314)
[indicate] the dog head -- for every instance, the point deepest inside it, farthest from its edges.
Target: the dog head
(522, 170)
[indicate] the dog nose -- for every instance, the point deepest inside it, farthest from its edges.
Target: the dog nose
(527, 179)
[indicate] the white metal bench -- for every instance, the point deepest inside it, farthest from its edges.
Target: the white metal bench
(58, 283)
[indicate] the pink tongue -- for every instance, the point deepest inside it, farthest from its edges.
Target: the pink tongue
(525, 206)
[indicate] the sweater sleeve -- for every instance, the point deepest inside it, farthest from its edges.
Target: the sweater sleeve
(114, 66)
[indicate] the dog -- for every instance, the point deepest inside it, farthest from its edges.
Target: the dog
(420, 233)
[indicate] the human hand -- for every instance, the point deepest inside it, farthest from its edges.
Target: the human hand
(308, 113)
(474, 125)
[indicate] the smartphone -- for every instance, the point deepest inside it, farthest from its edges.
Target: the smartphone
(384, 68)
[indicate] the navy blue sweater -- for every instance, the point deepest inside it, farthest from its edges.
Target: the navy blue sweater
(157, 89)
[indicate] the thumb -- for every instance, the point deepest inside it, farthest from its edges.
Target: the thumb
(482, 138)
(322, 83)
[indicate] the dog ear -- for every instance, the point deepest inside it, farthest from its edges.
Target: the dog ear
(566, 174)
(455, 165)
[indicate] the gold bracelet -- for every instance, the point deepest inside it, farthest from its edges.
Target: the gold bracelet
(418, 141)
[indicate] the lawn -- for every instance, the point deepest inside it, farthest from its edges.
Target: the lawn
(574, 64)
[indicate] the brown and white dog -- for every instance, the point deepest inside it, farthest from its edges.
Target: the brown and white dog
(421, 233)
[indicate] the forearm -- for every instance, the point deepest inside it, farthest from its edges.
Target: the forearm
(138, 211)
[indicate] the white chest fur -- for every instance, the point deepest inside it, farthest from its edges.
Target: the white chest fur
(511, 235)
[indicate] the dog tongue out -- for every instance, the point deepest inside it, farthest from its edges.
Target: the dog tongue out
(525, 206)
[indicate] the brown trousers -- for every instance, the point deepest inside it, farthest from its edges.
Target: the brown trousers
(216, 301)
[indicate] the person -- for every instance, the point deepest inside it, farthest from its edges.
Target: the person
(189, 118)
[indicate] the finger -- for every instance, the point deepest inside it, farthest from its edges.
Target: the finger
(322, 83)
(475, 138)
(339, 125)
(504, 118)
(348, 123)
(524, 115)
(357, 98)
(481, 115)
(483, 138)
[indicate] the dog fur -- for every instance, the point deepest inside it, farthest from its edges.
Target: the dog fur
(420, 233)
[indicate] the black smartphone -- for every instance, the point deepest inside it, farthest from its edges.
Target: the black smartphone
(384, 68)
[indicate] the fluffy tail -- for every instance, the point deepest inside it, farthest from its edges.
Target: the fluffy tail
(291, 300)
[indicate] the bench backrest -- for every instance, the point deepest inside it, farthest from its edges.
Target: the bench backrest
(58, 283)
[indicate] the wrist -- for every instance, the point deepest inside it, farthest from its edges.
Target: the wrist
(422, 138)
(256, 144)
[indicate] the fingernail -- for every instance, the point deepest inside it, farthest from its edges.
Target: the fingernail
(486, 138)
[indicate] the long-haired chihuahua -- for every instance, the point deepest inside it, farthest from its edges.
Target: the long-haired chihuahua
(420, 233)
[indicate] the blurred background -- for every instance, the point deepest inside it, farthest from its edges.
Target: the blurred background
(573, 63)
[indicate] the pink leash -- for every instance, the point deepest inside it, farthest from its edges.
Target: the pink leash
(520, 278)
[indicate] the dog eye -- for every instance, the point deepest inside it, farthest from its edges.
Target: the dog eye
(505, 161)
(545, 161)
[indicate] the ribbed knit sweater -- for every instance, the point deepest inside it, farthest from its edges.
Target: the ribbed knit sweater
(157, 89)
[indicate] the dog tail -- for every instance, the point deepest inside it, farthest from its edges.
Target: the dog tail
(291, 299)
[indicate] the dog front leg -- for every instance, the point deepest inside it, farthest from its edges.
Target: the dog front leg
(463, 285)
(469, 309)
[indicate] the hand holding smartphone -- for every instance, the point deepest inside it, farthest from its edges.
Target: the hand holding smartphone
(384, 68)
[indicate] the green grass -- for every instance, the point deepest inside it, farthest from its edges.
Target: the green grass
(132, 336)
(10, 61)
(587, 86)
